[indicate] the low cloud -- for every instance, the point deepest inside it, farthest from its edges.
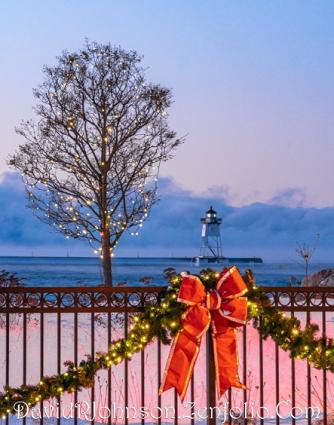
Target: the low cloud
(292, 197)
(268, 230)
(20, 231)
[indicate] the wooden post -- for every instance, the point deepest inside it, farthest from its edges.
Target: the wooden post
(210, 381)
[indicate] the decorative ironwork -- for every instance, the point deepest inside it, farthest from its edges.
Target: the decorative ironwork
(302, 299)
(77, 300)
(97, 299)
(126, 300)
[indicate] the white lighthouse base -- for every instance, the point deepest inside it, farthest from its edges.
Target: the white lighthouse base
(200, 260)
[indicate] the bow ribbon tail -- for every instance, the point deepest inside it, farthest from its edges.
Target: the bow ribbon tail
(184, 351)
(226, 360)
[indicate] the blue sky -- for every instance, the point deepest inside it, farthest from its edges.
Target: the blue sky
(252, 81)
(253, 93)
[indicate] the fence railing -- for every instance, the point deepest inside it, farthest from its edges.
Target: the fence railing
(40, 328)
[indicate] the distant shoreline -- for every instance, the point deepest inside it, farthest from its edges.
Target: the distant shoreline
(286, 261)
(96, 258)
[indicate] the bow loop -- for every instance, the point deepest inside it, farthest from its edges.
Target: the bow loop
(234, 310)
(231, 283)
(192, 291)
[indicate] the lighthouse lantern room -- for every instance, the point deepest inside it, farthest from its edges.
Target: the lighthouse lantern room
(211, 246)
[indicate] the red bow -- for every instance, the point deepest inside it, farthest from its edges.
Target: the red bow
(224, 308)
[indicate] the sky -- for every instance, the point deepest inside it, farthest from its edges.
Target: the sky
(253, 88)
(173, 229)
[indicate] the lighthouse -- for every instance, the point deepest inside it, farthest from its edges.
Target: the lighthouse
(211, 245)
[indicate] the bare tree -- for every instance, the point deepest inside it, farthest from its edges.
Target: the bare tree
(91, 159)
(306, 252)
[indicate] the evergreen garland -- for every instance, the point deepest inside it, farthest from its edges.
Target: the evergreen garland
(164, 321)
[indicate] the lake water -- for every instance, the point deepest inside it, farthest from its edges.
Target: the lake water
(63, 271)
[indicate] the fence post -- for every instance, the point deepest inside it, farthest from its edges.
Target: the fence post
(210, 381)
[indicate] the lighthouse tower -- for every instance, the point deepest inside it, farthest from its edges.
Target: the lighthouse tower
(211, 245)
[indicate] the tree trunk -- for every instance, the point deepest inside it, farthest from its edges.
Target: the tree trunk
(106, 260)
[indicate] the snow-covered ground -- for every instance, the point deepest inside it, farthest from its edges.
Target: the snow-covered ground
(151, 371)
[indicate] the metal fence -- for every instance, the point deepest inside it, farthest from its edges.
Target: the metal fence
(34, 321)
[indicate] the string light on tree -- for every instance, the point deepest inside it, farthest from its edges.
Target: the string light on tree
(92, 166)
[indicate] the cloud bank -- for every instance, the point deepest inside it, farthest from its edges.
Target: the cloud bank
(267, 230)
